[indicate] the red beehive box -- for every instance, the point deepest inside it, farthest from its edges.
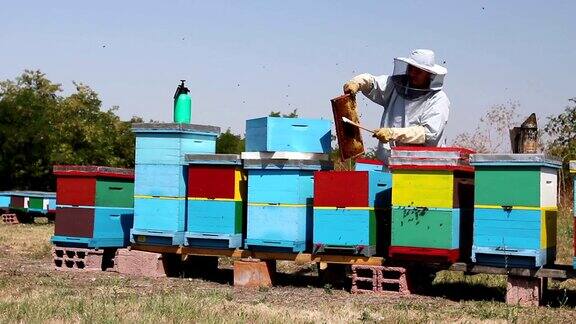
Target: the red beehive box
(341, 189)
(211, 181)
(75, 222)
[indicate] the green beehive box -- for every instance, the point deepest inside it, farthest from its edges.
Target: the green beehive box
(528, 180)
(437, 228)
(115, 193)
(36, 203)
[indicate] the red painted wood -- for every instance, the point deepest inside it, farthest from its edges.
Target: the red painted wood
(341, 189)
(207, 181)
(429, 255)
(76, 222)
(369, 161)
(76, 191)
(93, 171)
(17, 202)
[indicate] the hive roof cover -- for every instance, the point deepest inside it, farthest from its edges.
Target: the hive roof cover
(174, 127)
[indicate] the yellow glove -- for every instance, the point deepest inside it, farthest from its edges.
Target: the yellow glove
(363, 82)
(404, 135)
(384, 135)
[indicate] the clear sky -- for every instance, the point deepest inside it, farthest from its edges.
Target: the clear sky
(243, 59)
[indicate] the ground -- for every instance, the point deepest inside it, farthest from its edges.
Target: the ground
(32, 291)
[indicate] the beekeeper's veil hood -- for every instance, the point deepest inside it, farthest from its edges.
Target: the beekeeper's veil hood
(422, 59)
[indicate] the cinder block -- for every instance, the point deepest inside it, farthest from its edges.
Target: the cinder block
(254, 273)
(146, 264)
(10, 219)
(69, 258)
(525, 291)
(378, 279)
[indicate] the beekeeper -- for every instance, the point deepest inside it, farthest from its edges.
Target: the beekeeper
(415, 107)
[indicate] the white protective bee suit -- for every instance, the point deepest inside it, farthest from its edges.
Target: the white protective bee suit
(411, 116)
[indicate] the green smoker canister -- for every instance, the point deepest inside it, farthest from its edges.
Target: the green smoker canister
(182, 104)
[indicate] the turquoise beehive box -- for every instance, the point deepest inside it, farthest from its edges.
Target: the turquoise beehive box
(272, 134)
(279, 213)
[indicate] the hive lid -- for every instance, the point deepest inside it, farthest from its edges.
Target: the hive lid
(174, 127)
(515, 159)
(26, 193)
(430, 158)
(93, 171)
(285, 156)
(431, 152)
(225, 159)
(274, 164)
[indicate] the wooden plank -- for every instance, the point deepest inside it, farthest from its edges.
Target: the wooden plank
(554, 272)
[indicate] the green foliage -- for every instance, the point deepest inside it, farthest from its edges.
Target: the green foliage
(292, 114)
(47, 128)
(229, 143)
(561, 130)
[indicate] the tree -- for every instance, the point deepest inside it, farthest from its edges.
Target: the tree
(229, 143)
(292, 114)
(47, 128)
(492, 132)
(561, 130)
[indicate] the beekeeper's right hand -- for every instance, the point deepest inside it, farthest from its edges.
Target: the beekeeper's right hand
(363, 82)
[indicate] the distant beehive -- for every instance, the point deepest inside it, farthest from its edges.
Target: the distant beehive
(94, 206)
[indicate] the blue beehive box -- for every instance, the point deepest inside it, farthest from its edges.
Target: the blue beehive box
(272, 134)
(158, 143)
(159, 221)
(279, 227)
(280, 193)
(93, 227)
(160, 180)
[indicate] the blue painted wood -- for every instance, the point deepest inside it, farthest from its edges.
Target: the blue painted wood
(170, 148)
(85, 242)
(215, 217)
(344, 227)
(156, 237)
(52, 204)
(160, 214)
(516, 229)
(279, 226)
(359, 166)
(379, 189)
(519, 258)
(288, 134)
(4, 201)
(215, 241)
(280, 186)
(166, 180)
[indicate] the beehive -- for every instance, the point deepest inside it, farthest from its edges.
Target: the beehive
(279, 214)
(351, 211)
(515, 210)
(216, 200)
(160, 205)
(94, 206)
(432, 201)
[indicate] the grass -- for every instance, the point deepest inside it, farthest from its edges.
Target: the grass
(31, 291)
